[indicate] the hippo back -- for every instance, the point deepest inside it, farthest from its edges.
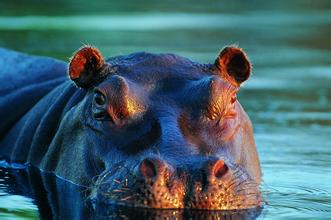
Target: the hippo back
(25, 80)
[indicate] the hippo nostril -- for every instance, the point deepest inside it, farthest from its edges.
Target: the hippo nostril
(149, 168)
(220, 168)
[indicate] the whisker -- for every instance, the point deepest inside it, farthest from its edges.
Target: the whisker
(231, 183)
(235, 173)
(126, 198)
(238, 184)
(117, 181)
(245, 190)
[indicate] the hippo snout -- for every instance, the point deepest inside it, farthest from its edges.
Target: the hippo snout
(206, 173)
(212, 183)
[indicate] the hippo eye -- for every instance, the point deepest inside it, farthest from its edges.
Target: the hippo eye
(233, 99)
(231, 112)
(99, 98)
(222, 109)
(99, 105)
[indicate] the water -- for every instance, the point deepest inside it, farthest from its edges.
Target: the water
(288, 97)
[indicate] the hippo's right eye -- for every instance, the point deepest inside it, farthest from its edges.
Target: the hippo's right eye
(99, 98)
(99, 105)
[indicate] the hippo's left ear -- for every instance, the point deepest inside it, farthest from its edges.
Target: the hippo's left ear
(86, 67)
(233, 65)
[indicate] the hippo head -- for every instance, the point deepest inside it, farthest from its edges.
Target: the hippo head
(162, 131)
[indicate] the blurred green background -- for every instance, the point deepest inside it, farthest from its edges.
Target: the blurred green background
(197, 29)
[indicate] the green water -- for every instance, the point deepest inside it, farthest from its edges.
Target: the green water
(288, 97)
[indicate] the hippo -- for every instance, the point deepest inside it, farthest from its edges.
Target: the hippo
(141, 130)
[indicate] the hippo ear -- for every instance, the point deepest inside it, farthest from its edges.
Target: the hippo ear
(85, 66)
(233, 65)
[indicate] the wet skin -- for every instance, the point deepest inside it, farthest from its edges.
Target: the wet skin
(143, 130)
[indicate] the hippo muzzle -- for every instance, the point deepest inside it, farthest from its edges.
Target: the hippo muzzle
(208, 183)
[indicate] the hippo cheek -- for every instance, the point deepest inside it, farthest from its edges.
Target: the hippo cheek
(223, 132)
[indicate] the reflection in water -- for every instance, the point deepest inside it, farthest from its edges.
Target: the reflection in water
(58, 199)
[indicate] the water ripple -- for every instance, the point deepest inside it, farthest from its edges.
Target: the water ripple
(303, 199)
